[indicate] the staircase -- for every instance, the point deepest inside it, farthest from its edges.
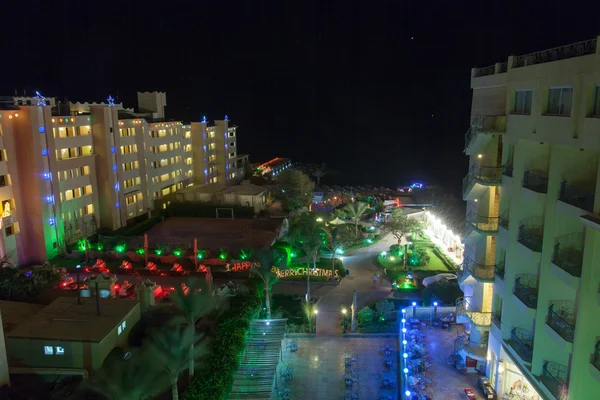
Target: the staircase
(254, 378)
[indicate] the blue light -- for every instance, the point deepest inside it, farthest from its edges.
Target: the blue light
(435, 303)
(226, 118)
(111, 101)
(204, 148)
(49, 199)
(407, 393)
(47, 176)
(44, 152)
(404, 342)
(41, 100)
(117, 205)
(406, 370)
(403, 320)
(51, 221)
(205, 172)
(204, 119)
(42, 129)
(112, 149)
(414, 304)
(405, 355)
(78, 266)
(114, 167)
(117, 187)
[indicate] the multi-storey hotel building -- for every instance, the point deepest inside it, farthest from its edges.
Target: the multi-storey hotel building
(531, 277)
(68, 169)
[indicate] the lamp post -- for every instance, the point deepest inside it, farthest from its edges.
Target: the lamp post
(353, 309)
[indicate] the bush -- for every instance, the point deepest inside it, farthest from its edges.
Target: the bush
(419, 258)
(214, 379)
(445, 292)
(395, 249)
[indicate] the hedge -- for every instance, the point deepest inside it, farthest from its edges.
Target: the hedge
(214, 379)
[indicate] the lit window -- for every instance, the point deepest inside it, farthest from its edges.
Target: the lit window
(60, 350)
(119, 330)
(48, 350)
(124, 325)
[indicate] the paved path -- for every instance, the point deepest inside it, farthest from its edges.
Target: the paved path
(362, 266)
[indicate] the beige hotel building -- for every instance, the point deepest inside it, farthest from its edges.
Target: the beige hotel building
(531, 275)
(68, 169)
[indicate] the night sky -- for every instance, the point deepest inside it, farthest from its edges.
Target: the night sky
(378, 90)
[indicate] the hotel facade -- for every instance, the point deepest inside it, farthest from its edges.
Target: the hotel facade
(532, 248)
(69, 169)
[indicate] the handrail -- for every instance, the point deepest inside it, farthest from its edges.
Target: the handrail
(482, 223)
(484, 71)
(478, 271)
(554, 377)
(522, 342)
(479, 318)
(568, 260)
(595, 358)
(561, 318)
(557, 53)
(531, 237)
(535, 181)
(499, 270)
(577, 196)
(497, 318)
(526, 289)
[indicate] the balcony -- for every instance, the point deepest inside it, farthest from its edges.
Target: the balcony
(497, 318)
(479, 272)
(577, 197)
(483, 127)
(507, 170)
(568, 254)
(465, 312)
(479, 179)
(535, 181)
(561, 318)
(595, 357)
(531, 233)
(526, 289)
(554, 377)
(503, 220)
(477, 226)
(499, 270)
(521, 340)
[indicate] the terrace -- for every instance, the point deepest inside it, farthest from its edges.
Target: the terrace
(561, 318)
(554, 377)
(577, 196)
(479, 318)
(526, 289)
(568, 253)
(531, 233)
(536, 181)
(521, 340)
(482, 273)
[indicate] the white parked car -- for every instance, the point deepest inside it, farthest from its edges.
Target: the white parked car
(436, 278)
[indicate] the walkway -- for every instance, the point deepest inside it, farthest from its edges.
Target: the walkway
(362, 265)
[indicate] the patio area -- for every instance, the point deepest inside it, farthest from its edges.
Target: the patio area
(339, 368)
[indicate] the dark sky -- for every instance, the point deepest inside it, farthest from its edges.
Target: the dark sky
(378, 90)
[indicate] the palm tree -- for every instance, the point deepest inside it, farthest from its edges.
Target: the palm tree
(170, 348)
(132, 379)
(318, 173)
(267, 258)
(311, 246)
(334, 239)
(355, 211)
(192, 305)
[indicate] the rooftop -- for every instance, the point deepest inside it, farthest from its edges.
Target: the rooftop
(64, 319)
(247, 189)
(210, 188)
(15, 313)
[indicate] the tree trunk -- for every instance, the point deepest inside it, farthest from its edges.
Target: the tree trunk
(174, 389)
(267, 301)
(308, 282)
(192, 362)
(354, 306)
(356, 226)
(333, 265)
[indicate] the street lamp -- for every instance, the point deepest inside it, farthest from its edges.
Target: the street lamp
(344, 311)
(315, 311)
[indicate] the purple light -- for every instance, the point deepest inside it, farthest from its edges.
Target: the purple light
(117, 205)
(28, 273)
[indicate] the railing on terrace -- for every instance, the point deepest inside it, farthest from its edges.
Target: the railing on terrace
(478, 271)
(521, 340)
(499, 270)
(568, 253)
(497, 318)
(484, 123)
(483, 224)
(484, 71)
(531, 233)
(595, 357)
(507, 170)
(478, 317)
(577, 196)
(502, 67)
(561, 318)
(535, 181)
(554, 377)
(526, 289)
(503, 219)
(558, 53)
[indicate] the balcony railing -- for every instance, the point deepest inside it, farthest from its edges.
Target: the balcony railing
(526, 289)
(507, 170)
(568, 257)
(484, 71)
(535, 181)
(521, 340)
(499, 270)
(477, 317)
(554, 377)
(595, 357)
(577, 197)
(478, 271)
(497, 318)
(556, 53)
(531, 236)
(484, 123)
(483, 224)
(561, 318)
(503, 219)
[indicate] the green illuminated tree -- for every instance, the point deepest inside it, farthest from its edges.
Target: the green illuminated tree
(294, 189)
(355, 211)
(132, 379)
(170, 349)
(267, 259)
(334, 239)
(192, 304)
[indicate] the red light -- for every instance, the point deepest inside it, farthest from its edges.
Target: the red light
(64, 284)
(116, 286)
